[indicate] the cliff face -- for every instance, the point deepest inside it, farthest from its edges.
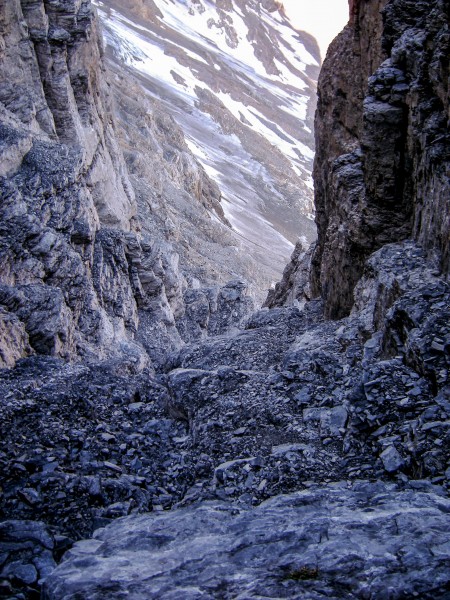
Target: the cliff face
(77, 267)
(55, 87)
(63, 178)
(381, 169)
(241, 83)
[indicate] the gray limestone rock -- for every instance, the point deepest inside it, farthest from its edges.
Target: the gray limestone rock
(14, 341)
(392, 459)
(381, 166)
(26, 551)
(140, 387)
(294, 287)
(335, 542)
(63, 175)
(81, 276)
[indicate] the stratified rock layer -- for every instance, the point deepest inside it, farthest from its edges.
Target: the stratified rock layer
(241, 82)
(56, 86)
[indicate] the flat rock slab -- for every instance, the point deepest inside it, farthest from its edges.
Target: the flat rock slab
(371, 541)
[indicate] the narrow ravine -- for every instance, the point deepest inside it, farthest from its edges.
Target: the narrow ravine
(161, 436)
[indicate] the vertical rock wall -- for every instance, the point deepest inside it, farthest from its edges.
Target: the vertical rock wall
(382, 162)
(79, 272)
(52, 80)
(65, 288)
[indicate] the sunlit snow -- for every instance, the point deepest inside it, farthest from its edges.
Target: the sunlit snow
(202, 38)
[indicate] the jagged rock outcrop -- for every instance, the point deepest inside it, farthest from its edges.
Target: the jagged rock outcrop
(381, 167)
(64, 177)
(79, 272)
(55, 87)
(294, 287)
(60, 276)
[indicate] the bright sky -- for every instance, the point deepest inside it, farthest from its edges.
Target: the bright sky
(324, 19)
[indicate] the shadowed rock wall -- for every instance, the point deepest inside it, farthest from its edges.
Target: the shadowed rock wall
(55, 86)
(382, 163)
(63, 178)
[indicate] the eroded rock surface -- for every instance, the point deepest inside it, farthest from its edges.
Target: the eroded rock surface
(382, 148)
(55, 87)
(277, 454)
(294, 287)
(82, 275)
(360, 541)
(241, 82)
(289, 400)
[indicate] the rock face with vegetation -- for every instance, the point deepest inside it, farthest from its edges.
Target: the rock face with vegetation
(220, 452)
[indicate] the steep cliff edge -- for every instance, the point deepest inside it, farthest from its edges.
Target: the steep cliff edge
(63, 179)
(382, 144)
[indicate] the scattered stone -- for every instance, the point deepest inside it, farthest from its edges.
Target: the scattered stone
(127, 387)
(392, 459)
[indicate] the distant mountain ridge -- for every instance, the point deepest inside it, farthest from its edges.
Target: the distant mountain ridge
(240, 81)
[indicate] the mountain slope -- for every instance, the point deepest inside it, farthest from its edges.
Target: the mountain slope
(87, 265)
(337, 429)
(241, 84)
